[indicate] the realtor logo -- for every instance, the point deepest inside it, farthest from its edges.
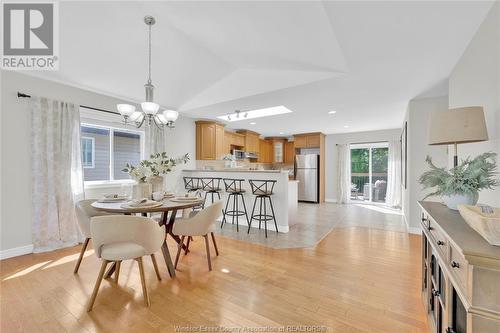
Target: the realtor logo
(29, 39)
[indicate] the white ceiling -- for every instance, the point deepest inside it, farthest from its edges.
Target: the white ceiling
(365, 60)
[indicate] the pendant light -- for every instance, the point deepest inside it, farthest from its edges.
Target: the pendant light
(149, 109)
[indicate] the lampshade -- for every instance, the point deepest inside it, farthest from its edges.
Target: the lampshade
(460, 125)
(125, 110)
(171, 115)
(150, 107)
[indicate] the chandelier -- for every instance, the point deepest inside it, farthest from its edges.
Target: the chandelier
(149, 110)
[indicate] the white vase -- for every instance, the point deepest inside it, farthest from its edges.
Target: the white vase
(452, 201)
(157, 184)
(142, 190)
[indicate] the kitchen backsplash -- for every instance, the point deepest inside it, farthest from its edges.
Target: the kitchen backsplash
(245, 164)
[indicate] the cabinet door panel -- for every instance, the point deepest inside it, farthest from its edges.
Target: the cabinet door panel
(312, 141)
(219, 141)
(300, 141)
(207, 136)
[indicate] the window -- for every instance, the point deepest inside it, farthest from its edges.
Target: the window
(106, 150)
(88, 152)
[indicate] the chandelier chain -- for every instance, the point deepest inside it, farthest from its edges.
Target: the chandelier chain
(149, 68)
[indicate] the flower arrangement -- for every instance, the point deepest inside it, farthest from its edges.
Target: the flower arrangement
(468, 178)
(228, 157)
(158, 164)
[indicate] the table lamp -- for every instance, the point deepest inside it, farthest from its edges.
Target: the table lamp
(460, 125)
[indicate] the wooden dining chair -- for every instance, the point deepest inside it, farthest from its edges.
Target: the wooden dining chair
(117, 238)
(200, 224)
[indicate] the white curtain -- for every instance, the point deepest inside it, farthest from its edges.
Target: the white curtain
(344, 173)
(155, 140)
(393, 195)
(56, 171)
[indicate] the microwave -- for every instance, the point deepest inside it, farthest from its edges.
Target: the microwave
(239, 154)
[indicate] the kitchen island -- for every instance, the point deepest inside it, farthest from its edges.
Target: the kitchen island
(284, 197)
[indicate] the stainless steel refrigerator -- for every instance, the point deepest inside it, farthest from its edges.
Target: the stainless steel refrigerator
(307, 173)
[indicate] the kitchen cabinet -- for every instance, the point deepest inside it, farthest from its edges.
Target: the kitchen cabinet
(252, 143)
(265, 151)
(209, 140)
(311, 140)
(300, 141)
(228, 141)
(289, 152)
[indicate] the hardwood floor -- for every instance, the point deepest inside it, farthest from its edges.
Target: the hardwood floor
(356, 279)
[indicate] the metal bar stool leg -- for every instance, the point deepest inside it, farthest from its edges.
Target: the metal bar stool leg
(260, 212)
(237, 211)
(252, 216)
(224, 212)
(265, 216)
(245, 208)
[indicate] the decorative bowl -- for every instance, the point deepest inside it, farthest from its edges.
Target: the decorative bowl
(487, 225)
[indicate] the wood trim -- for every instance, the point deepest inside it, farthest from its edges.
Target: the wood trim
(322, 158)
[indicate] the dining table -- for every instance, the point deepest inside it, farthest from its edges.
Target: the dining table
(168, 210)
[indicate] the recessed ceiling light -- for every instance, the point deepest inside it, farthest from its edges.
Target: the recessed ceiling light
(332, 112)
(346, 126)
(271, 111)
(253, 123)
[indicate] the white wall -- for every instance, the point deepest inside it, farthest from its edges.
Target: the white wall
(331, 191)
(15, 223)
(475, 80)
(417, 117)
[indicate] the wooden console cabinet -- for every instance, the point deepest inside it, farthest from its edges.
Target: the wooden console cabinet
(460, 274)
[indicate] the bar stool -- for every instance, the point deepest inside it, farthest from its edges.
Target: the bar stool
(235, 191)
(212, 186)
(192, 184)
(262, 189)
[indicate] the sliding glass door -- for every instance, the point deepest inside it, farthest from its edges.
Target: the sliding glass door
(369, 172)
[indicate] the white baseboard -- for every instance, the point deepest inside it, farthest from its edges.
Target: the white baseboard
(331, 200)
(16, 251)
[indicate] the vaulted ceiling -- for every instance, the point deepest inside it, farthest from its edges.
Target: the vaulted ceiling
(363, 59)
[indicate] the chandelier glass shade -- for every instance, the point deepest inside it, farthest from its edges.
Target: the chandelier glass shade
(149, 113)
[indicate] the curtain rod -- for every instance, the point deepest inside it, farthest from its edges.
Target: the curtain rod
(22, 95)
(361, 143)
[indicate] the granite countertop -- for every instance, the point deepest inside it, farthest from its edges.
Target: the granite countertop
(236, 170)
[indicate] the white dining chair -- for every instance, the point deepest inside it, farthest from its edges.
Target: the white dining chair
(117, 238)
(84, 212)
(200, 224)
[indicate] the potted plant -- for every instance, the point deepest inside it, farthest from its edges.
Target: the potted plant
(149, 173)
(461, 184)
(229, 161)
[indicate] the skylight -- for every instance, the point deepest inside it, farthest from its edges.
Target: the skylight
(266, 112)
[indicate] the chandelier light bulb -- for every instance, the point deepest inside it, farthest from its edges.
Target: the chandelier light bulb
(125, 110)
(171, 115)
(150, 108)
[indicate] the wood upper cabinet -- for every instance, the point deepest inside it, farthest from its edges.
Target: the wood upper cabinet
(300, 141)
(289, 152)
(228, 141)
(265, 151)
(252, 143)
(209, 140)
(312, 140)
